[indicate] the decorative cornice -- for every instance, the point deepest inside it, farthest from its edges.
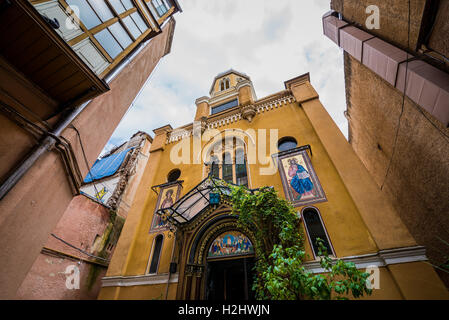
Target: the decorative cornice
(297, 80)
(202, 99)
(224, 120)
(382, 258)
(233, 115)
(221, 96)
(142, 280)
(166, 128)
(279, 102)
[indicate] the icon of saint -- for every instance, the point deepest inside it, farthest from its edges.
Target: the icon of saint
(300, 181)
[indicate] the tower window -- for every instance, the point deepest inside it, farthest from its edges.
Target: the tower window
(225, 84)
(156, 254)
(315, 229)
(287, 143)
(225, 106)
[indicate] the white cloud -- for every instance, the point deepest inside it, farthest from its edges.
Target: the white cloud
(271, 41)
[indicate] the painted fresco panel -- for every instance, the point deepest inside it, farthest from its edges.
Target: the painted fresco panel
(301, 184)
(231, 243)
(167, 197)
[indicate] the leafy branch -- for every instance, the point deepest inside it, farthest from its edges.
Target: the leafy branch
(279, 243)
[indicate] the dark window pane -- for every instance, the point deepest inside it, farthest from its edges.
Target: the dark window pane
(156, 255)
(225, 106)
(139, 21)
(215, 170)
(227, 168)
(240, 168)
(227, 172)
(316, 230)
(86, 14)
(120, 34)
(108, 42)
(102, 9)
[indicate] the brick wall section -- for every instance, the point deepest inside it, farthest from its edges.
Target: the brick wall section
(83, 220)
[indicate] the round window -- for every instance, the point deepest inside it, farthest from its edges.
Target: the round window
(287, 143)
(173, 175)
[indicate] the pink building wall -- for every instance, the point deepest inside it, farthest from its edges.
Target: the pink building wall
(84, 221)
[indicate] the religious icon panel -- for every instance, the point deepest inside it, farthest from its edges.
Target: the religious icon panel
(167, 197)
(231, 243)
(301, 184)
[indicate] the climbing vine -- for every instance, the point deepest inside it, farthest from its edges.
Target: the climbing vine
(279, 243)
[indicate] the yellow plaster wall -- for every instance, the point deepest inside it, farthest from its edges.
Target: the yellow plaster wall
(339, 212)
(346, 226)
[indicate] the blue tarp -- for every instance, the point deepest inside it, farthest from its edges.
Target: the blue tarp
(107, 166)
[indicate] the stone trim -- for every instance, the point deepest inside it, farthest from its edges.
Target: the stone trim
(141, 280)
(234, 115)
(382, 258)
(424, 84)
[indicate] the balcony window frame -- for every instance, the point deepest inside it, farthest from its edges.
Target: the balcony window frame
(117, 17)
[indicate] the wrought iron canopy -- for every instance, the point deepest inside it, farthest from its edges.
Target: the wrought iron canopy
(195, 201)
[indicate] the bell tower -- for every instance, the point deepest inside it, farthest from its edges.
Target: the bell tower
(229, 89)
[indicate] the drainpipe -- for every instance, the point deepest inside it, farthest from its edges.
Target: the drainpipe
(49, 142)
(46, 145)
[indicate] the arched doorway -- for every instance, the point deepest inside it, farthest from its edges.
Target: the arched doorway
(214, 271)
(229, 264)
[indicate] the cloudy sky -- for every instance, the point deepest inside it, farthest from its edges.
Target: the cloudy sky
(271, 41)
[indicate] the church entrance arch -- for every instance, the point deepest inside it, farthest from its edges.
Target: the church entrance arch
(229, 263)
(220, 261)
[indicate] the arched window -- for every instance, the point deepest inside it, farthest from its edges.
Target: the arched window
(173, 175)
(156, 254)
(232, 165)
(227, 167)
(287, 143)
(315, 229)
(224, 84)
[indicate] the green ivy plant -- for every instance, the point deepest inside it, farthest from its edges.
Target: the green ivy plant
(279, 245)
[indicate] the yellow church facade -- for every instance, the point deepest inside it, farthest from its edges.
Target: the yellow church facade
(180, 242)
